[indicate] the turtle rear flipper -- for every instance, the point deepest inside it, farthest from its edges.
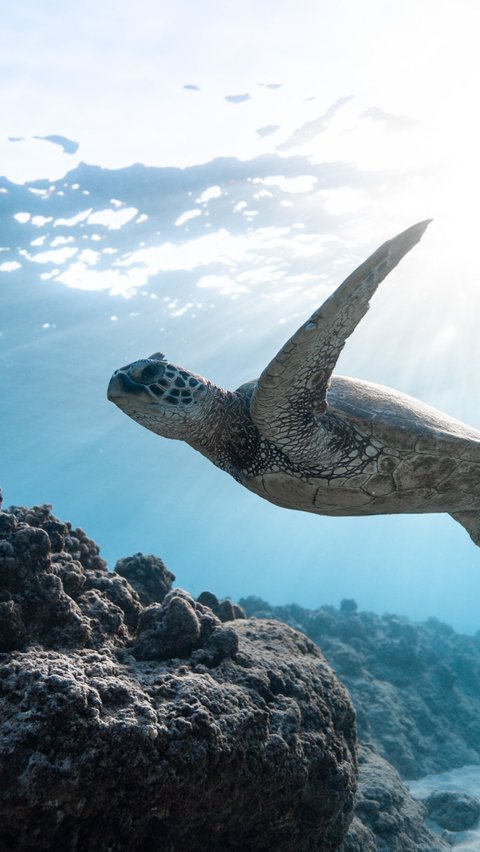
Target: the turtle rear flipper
(471, 522)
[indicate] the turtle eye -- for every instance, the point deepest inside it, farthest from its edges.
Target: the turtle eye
(150, 373)
(157, 356)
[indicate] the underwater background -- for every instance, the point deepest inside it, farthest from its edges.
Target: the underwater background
(197, 179)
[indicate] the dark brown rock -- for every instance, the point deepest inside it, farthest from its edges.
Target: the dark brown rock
(410, 683)
(61, 596)
(148, 575)
(226, 610)
(125, 727)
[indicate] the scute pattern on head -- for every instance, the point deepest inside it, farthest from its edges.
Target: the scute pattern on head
(176, 386)
(158, 381)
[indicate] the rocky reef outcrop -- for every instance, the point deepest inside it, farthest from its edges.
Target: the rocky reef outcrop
(415, 687)
(453, 811)
(135, 717)
(387, 817)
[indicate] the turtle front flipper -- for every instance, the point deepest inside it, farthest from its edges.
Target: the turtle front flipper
(292, 390)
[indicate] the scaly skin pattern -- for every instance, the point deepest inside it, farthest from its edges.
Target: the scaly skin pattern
(395, 456)
(306, 439)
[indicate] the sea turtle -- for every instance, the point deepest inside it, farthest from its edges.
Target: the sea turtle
(304, 439)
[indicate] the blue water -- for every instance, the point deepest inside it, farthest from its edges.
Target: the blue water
(106, 266)
(196, 179)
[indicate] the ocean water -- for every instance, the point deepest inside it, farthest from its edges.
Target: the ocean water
(103, 267)
(159, 192)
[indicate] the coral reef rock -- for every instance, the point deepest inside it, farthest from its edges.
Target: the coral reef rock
(135, 717)
(455, 811)
(387, 817)
(410, 683)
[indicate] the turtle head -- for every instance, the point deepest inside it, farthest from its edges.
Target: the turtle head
(162, 397)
